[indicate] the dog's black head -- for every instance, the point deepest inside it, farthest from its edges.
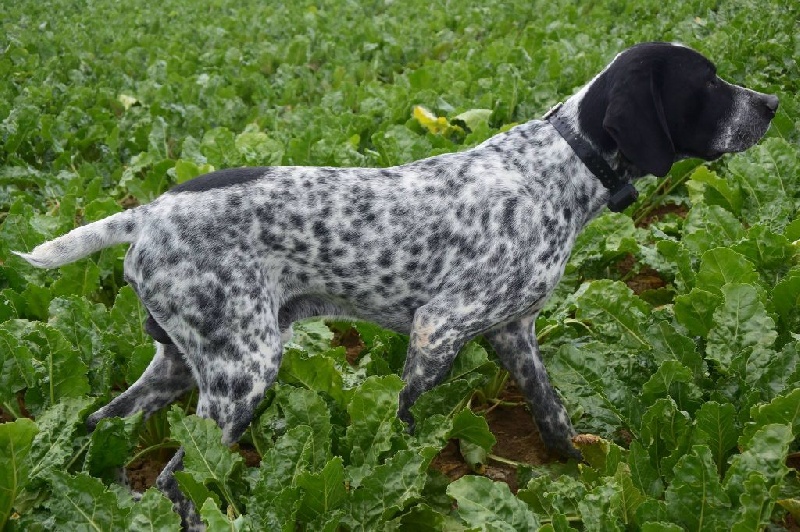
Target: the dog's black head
(658, 102)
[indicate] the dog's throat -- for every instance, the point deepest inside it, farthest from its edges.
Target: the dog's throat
(621, 192)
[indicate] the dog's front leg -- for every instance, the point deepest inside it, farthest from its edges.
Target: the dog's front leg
(516, 346)
(437, 333)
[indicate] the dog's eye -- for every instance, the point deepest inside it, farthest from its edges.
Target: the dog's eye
(711, 83)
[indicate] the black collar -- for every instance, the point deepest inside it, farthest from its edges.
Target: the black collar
(622, 192)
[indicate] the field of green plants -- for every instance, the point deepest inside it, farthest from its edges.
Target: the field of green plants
(674, 337)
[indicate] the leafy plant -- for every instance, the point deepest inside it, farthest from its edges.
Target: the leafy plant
(673, 337)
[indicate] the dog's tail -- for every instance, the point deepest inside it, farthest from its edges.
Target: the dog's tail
(115, 229)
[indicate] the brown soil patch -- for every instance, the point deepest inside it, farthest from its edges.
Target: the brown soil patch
(143, 473)
(646, 279)
(351, 341)
(517, 441)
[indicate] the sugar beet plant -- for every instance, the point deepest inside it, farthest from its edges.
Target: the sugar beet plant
(685, 387)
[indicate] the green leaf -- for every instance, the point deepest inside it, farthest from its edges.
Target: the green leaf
(472, 428)
(217, 521)
(711, 226)
(313, 336)
(283, 463)
(643, 472)
(16, 439)
(665, 434)
(374, 423)
(721, 266)
(318, 373)
(756, 503)
(718, 191)
(599, 510)
(767, 174)
(219, 147)
(742, 334)
(387, 490)
(61, 427)
(306, 407)
(613, 312)
(695, 310)
(16, 369)
(110, 445)
(715, 427)
(771, 253)
(765, 454)
(82, 503)
(153, 512)
(206, 458)
(786, 298)
(695, 497)
(675, 380)
(323, 492)
(669, 344)
(784, 409)
(487, 505)
(257, 149)
(473, 118)
(79, 278)
(551, 496)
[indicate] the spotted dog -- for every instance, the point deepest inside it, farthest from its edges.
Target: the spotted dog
(443, 249)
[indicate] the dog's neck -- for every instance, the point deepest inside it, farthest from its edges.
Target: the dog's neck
(604, 162)
(584, 112)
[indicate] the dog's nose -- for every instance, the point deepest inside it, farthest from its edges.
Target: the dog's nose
(771, 101)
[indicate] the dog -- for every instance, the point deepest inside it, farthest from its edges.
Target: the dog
(442, 249)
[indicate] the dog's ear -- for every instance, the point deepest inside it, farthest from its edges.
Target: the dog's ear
(635, 120)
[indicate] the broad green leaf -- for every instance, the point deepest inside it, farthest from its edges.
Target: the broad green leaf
(206, 458)
(695, 310)
(614, 313)
(711, 226)
(721, 266)
(256, 148)
(681, 263)
(61, 428)
(695, 497)
(82, 503)
(644, 473)
(373, 421)
(472, 428)
(665, 434)
(318, 373)
(718, 191)
(742, 334)
(473, 118)
(771, 253)
(786, 298)
(282, 463)
(669, 344)
(628, 498)
(784, 409)
(218, 521)
(583, 375)
(675, 380)
(110, 445)
(755, 505)
(16, 370)
(16, 439)
(306, 407)
(767, 174)
(79, 278)
(323, 492)
(487, 505)
(313, 335)
(219, 147)
(551, 496)
(386, 490)
(599, 510)
(153, 512)
(765, 454)
(715, 426)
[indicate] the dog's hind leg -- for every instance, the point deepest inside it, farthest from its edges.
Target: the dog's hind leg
(516, 345)
(235, 361)
(166, 378)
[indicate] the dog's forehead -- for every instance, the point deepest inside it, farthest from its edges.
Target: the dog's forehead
(675, 55)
